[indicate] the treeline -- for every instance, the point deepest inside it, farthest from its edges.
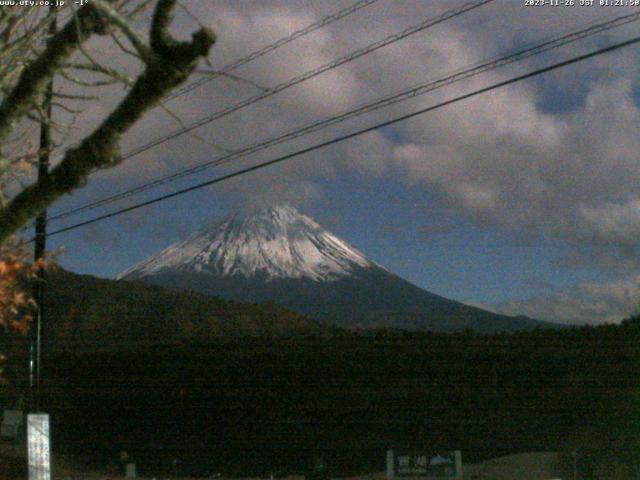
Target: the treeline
(253, 406)
(89, 313)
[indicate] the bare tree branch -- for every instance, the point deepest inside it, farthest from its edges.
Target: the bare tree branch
(194, 135)
(170, 64)
(71, 96)
(35, 76)
(123, 47)
(104, 70)
(143, 50)
(88, 83)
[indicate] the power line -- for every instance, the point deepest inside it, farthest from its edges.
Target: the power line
(412, 92)
(359, 5)
(323, 22)
(279, 43)
(306, 76)
(353, 134)
(430, 22)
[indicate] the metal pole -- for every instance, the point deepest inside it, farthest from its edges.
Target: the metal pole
(35, 363)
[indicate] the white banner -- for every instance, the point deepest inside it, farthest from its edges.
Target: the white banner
(38, 446)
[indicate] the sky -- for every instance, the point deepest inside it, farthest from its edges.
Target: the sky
(523, 200)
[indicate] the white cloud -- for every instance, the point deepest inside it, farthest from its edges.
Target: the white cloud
(616, 223)
(475, 197)
(588, 303)
(497, 158)
(497, 155)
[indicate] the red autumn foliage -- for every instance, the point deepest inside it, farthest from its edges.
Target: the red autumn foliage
(16, 301)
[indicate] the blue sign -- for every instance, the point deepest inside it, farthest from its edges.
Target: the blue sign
(421, 464)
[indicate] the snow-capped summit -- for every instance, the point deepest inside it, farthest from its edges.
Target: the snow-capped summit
(275, 243)
(279, 255)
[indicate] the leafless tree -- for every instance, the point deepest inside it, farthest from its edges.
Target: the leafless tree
(31, 55)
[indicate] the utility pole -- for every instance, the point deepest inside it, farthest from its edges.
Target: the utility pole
(35, 361)
(38, 437)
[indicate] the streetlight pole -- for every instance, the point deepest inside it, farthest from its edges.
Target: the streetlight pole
(35, 361)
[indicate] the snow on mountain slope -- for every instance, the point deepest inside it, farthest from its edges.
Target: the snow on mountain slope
(279, 255)
(276, 243)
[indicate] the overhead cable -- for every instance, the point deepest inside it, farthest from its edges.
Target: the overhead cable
(273, 46)
(354, 134)
(430, 22)
(462, 74)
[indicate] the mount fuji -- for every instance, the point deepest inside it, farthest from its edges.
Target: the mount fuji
(279, 255)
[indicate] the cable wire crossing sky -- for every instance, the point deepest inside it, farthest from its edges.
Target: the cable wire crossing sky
(484, 150)
(389, 100)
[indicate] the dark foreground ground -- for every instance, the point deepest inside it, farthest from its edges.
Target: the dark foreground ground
(524, 466)
(248, 407)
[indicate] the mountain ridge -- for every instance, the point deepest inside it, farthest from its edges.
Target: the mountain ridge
(91, 313)
(280, 255)
(279, 242)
